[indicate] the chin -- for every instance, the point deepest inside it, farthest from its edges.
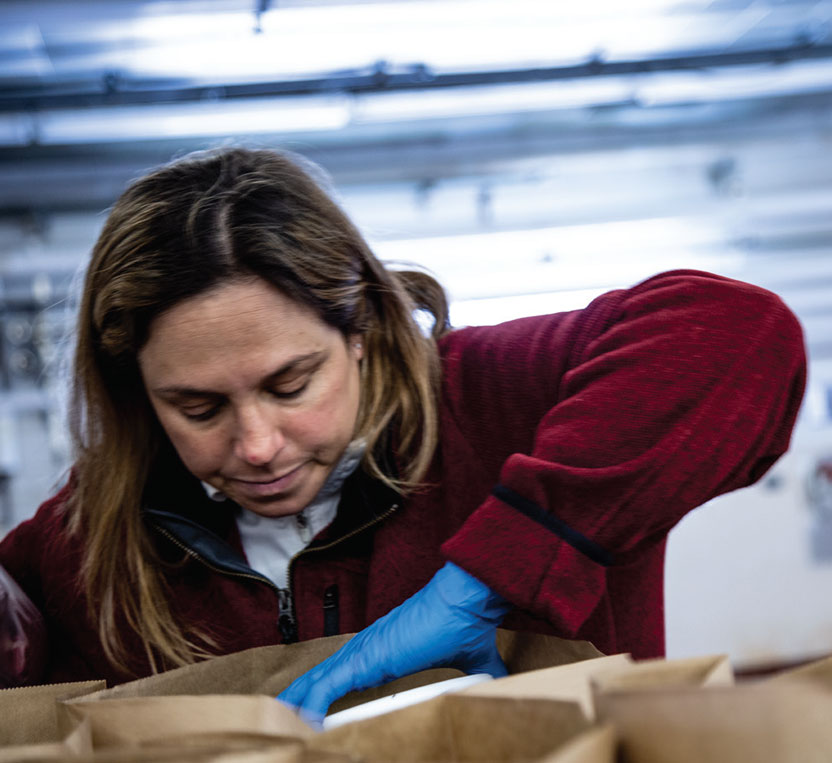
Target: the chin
(273, 508)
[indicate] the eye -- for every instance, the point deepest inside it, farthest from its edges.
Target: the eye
(203, 414)
(287, 394)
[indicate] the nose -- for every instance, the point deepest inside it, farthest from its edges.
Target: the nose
(259, 437)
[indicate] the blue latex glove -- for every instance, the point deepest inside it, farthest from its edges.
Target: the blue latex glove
(451, 622)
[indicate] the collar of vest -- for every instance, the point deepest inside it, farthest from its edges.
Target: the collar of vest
(177, 508)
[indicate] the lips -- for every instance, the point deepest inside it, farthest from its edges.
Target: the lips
(269, 488)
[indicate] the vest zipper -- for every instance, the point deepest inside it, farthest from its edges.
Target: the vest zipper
(285, 617)
(327, 546)
(285, 610)
(287, 620)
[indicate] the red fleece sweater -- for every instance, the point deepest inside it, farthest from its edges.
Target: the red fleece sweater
(570, 445)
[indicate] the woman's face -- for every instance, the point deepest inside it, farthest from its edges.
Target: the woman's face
(257, 394)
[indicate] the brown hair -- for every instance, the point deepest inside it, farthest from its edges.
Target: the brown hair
(181, 230)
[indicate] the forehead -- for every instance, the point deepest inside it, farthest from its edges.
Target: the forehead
(240, 326)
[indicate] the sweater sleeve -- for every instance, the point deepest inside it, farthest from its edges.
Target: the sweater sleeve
(23, 548)
(671, 393)
(20, 557)
(23, 630)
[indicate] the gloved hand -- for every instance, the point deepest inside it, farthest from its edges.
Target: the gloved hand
(451, 622)
(22, 635)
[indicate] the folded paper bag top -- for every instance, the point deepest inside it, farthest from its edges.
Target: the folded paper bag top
(270, 669)
(458, 729)
(712, 670)
(136, 720)
(27, 714)
(818, 671)
(571, 682)
(580, 681)
(774, 723)
(455, 727)
(77, 744)
(597, 745)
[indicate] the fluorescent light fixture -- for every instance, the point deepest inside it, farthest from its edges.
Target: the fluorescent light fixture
(333, 112)
(761, 80)
(210, 119)
(647, 89)
(456, 35)
(492, 99)
(17, 129)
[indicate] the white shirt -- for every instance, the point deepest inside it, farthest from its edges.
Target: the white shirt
(271, 542)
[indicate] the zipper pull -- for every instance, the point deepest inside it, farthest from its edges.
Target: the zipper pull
(304, 530)
(285, 619)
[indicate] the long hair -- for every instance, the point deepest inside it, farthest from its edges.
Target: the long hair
(178, 232)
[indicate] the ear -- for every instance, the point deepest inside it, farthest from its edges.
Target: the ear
(355, 345)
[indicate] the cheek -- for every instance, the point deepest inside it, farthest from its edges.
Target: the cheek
(331, 421)
(317, 429)
(198, 450)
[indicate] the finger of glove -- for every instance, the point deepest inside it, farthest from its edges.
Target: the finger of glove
(488, 662)
(297, 692)
(339, 680)
(294, 694)
(316, 721)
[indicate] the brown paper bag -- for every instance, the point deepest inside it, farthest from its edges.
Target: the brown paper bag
(565, 682)
(597, 745)
(521, 652)
(207, 748)
(455, 728)
(74, 745)
(28, 716)
(224, 728)
(132, 722)
(653, 674)
(218, 751)
(270, 669)
(819, 671)
(224, 748)
(789, 723)
(262, 670)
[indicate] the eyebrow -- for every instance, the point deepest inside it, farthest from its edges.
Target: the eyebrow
(312, 359)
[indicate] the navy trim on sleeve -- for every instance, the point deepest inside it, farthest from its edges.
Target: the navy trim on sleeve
(580, 542)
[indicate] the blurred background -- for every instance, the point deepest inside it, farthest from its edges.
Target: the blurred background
(532, 154)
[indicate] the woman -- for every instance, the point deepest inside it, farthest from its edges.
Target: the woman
(269, 449)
